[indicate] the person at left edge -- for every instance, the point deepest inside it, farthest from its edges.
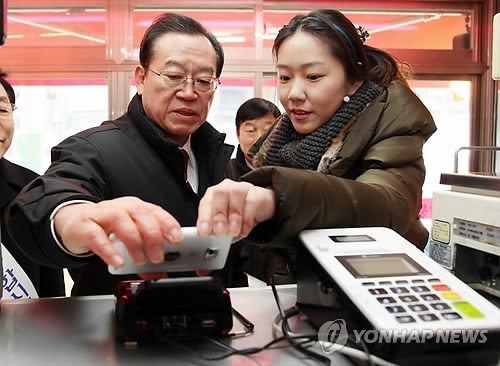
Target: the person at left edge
(22, 277)
(127, 176)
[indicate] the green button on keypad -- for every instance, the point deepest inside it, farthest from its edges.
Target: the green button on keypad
(468, 310)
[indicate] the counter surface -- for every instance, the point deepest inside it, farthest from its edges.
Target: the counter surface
(79, 331)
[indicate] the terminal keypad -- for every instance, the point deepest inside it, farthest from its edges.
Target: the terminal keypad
(421, 300)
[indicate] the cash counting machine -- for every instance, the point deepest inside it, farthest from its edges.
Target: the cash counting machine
(465, 234)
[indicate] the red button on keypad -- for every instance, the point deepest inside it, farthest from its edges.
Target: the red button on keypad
(441, 287)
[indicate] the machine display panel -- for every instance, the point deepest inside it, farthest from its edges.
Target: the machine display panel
(381, 265)
(351, 238)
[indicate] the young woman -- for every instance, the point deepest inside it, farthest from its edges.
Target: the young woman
(347, 152)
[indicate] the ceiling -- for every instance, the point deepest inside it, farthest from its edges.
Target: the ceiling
(89, 26)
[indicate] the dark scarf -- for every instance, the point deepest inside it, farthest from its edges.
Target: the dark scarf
(291, 149)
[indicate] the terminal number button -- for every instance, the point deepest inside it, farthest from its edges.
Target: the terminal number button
(399, 290)
(420, 288)
(428, 317)
(430, 297)
(386, 300)
(408, 298)
(451, 316)
(440, 306)
(378, 291)
(418, 307)
(405, 319)
(395, 309)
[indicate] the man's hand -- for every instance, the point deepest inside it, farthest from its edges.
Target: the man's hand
(140, 225)
(234, 208)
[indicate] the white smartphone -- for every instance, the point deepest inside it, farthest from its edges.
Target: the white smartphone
(193, 253)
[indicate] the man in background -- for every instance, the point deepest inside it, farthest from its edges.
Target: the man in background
(253, 118)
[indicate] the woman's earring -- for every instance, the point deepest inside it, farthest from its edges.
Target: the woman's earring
(347, 99)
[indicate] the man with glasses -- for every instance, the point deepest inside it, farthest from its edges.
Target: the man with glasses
(21, 277)
(140, 176)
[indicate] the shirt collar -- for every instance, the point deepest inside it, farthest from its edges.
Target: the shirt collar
(187, 146)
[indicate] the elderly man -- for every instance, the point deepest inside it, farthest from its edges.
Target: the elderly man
(140, 176)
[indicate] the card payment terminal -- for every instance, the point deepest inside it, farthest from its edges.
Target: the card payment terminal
(382, 284)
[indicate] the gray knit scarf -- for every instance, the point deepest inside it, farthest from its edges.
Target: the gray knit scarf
(291, 149)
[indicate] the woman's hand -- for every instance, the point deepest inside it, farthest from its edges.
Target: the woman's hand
(234, 208)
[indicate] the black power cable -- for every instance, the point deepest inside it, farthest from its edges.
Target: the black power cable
(285, 327)
(297, 341)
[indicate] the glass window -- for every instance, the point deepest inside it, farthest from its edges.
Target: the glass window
(449, 103)
(444, 30)
(235, 25)
(234, 28)
(70, 25)
(51, 110)
(269, 91)
(233, 91)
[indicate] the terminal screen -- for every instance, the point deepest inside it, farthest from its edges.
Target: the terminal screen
(351, 238)
(381, 265)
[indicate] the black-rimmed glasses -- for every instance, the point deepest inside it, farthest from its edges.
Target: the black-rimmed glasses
(178, 79)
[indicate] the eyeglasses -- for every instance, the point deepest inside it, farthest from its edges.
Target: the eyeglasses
(6, 109)
(178, 79)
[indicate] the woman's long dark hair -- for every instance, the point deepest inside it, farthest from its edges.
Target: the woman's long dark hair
(360, 62)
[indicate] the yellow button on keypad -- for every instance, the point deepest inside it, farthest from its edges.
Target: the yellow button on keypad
(451, 295)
